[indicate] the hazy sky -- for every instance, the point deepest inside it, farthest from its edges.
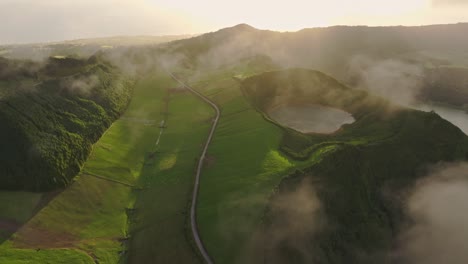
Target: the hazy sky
(51, 20)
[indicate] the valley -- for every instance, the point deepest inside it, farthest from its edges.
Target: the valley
(99, 226)
(221, 148)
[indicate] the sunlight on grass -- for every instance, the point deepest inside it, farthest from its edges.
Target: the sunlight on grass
(168, 162)
(11, 255)
(275, 163)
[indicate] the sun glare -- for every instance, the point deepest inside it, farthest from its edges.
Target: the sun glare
(298, 14)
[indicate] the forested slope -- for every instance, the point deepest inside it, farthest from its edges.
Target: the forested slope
(51, 113)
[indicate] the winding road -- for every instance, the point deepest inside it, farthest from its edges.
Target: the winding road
(196, 187)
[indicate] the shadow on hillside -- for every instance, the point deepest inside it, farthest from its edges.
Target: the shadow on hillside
(148, 225)
(142, 224)
(9, 227)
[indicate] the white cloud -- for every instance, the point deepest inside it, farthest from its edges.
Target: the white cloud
(439, 213)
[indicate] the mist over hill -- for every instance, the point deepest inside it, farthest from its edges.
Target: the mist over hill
(402, 63)
(332, 49)
(345, 208)
(269, 193)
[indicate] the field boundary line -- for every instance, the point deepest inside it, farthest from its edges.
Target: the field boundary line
(109, 179)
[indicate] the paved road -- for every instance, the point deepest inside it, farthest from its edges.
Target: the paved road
(193, 208)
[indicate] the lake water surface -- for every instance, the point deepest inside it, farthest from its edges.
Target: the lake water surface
(311, 118)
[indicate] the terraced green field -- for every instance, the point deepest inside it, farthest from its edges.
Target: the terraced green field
(127, 187)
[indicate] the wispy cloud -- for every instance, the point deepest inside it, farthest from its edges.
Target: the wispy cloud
(395, 80)
(438, 211)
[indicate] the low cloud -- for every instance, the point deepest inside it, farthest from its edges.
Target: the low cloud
(82, 85)
(438, 210)
(296, 216)
(395, 80)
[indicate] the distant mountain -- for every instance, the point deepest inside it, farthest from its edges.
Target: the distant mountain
(347, 53)
(329, 49)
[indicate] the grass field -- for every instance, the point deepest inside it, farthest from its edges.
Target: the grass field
(89, 221)
(160, 233)
(245, 169)
(15, 209)
(18, 206)
(245, 166)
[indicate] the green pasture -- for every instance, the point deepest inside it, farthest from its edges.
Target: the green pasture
(121, 192)
(245, 168)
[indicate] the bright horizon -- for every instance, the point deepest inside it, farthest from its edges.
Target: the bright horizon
(30, 21)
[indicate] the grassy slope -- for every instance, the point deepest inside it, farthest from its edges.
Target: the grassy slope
(18, 205)
(244, 169)
(358, 188)
(15, 209)
(160, 232)
(236, 186)
(90, 216)
(12, 255)
(377, 157)
(376, 118)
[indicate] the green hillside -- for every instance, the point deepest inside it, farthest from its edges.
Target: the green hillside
(98, 167)
(243, 165)
(331, 50)
(51, 115)
(374, 159)
(129, 203)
